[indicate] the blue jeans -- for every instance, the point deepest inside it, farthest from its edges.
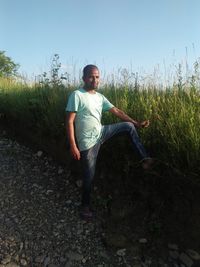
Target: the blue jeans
(89, 157)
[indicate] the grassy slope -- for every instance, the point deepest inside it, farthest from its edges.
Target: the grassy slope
(173, 136)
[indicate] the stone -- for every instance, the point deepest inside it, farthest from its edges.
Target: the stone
(185, 259)
(16, 258)
(49, 192)
(79, 183)
(21, 246)
(173, 254)
(121, 252)
(84, 260)
(74, 256)
(40, 259)
(104, 255)
(12, 264)
(46, 261)
(11, 238)
(63, 259)
(142, 240)
(193, 254)
(80, 231)
(60, 171)
(68, 202)
(6, 260)
(173, 246)
(23, 262)
(116, 240)
(39, 154)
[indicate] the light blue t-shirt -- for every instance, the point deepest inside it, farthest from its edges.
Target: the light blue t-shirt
(88, 108)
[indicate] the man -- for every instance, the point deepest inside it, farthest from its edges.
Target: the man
(86, 134)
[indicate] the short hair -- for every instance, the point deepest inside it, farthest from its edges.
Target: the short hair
(88, 68)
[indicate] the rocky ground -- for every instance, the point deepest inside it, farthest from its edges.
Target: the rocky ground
(40, 223)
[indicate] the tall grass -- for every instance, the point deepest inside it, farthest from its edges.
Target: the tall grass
(174, 112)
(174, 135)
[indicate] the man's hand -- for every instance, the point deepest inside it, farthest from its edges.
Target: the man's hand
(75, 153)
(123, 116)
(143, 124)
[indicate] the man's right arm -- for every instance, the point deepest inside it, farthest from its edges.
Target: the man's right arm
(70, 117)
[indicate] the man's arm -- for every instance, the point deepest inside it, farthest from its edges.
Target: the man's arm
(70, 117)
(124, 117)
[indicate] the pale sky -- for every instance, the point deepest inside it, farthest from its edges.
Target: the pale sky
(136, 34)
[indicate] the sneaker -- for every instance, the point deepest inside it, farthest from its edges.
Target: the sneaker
(86, 214)
(148, 163)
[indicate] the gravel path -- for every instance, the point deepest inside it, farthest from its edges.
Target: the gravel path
(39, 220)
(40, 224)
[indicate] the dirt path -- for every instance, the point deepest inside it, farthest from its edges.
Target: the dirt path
(39, 215)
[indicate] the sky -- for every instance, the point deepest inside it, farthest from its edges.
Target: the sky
(113, 34)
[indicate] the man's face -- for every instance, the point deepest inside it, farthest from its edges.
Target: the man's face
(91, 80)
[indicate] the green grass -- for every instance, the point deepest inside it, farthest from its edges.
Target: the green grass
(174, 112)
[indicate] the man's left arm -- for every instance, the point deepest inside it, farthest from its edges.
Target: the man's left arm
(124, 117)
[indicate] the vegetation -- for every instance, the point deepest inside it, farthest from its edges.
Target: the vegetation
(174, 111)
(7, 66)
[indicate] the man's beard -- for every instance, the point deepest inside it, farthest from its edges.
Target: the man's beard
(91, 87)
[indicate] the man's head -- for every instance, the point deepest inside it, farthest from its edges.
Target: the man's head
(91, 77)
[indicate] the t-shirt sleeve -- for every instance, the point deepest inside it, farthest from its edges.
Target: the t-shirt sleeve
(106, 104)
(73, 103)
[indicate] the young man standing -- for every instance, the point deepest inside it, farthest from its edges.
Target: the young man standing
(86, 134)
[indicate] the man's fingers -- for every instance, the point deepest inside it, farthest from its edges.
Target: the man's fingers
(145, 123)
(76, 154)
(76, 157)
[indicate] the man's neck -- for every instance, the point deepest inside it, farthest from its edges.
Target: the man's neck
(90, 91)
